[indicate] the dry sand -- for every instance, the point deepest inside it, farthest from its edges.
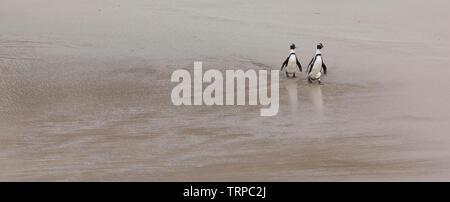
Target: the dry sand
(85, 91)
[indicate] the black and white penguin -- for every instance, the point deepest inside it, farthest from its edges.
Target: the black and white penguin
(291, 62)
(316, 66)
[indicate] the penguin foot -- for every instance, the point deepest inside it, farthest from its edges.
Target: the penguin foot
(320, 82)
(309, 80)
(287, 74)
(293, 75)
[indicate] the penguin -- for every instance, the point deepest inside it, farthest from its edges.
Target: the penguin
(316, 66)
(291, 62)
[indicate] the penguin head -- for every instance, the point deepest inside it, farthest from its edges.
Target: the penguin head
(319, 46)
(292, 46)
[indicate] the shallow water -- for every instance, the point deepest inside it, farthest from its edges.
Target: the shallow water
(85, 91)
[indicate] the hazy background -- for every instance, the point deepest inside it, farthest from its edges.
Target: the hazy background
(85, 91)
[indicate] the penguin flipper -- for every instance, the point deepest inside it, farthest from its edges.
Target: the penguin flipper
(298, 64)
(310, 65)
(324, 67)
(284, 63)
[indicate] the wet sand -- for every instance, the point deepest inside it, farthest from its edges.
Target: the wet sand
(85, 91)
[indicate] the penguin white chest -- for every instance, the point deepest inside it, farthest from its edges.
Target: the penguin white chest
(316, 68)
(292, 64)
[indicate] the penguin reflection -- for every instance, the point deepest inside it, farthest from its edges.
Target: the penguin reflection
(315, 94)
(291, 87)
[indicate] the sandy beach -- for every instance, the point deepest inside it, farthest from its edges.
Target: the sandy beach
(85, 91)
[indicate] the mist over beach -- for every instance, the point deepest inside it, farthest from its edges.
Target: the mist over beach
(85, 91)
